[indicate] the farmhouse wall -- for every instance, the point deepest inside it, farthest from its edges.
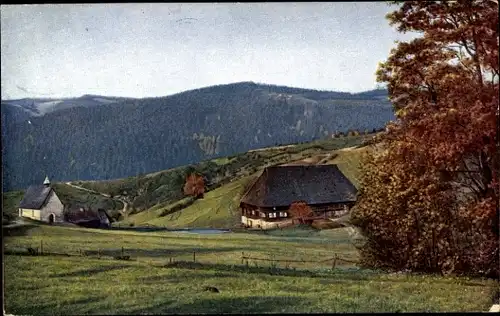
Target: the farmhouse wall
(259, 223)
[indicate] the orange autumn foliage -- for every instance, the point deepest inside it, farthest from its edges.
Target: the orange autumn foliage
(300, 210)
(429, 192)
(194, 186)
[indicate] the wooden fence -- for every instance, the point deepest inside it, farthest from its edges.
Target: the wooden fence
(123, 254)
(336, 258)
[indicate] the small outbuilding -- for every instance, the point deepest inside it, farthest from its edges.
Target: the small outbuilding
(87, 217)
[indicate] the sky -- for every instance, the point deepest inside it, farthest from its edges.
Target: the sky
(146, 50)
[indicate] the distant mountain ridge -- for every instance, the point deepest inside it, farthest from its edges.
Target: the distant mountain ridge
(97, 137)
(42, 106)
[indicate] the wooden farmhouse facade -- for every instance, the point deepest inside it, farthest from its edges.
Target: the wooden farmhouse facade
(324, 188)
(41, 203)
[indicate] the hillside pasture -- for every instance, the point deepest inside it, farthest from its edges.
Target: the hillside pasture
(218, 209)
(349, 161)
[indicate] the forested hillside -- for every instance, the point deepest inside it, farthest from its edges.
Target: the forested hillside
(133, 136)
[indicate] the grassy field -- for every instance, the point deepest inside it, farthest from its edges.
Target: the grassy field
(218, 209)
(150, 284)
(349, 162)
(155, 212)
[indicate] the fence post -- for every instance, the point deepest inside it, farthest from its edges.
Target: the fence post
(194, 256)
(122, 251)
(242, 257)
(41, 247)
(334, 262)
(170, 259)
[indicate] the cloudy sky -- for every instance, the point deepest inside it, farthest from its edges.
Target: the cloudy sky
(141, 50)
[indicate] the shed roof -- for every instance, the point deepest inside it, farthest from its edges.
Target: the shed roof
(313, 184)
(75, 214)
(35, 197)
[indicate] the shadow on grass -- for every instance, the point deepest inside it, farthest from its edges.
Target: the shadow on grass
(34, 252)
(17, 230)
(70, 307)
(139, 229)
(161, 252)
(89, 272)
(337, 274)
(328, 277)
(227, 305)
(188, 275)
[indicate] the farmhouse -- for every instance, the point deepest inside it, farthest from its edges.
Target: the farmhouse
(323, 187)
(41, 203)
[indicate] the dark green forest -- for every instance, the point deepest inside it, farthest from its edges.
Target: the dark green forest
(130, 137)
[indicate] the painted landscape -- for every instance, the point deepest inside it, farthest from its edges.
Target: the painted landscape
(249, 197)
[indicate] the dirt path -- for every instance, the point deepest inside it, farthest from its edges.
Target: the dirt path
(88, 190)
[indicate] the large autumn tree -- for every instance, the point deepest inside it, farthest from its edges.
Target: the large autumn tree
(430, 188)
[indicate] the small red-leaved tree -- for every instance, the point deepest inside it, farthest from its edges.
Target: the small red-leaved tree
(194, 186)
(300, 210)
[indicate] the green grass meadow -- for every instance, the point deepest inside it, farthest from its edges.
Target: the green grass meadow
(218, 209)
(163, 277)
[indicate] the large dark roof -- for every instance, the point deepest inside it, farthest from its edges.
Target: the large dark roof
(313, 184)
(81, 214)
(35, 197)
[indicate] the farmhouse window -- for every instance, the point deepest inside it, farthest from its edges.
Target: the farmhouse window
(283, 214)
(262, 214)
(272, 215)
(253, 212)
